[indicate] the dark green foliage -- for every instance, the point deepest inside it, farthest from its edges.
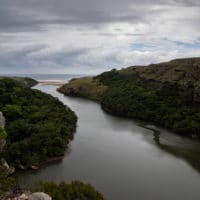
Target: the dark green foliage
(25, 81)
(75, 190)
(166, 94)
(38, 125)
(166, 104)
(7, 183)
(3, 133)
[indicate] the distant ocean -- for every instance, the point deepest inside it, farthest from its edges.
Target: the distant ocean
(48, 77)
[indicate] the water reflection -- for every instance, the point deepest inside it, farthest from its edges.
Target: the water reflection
(178, 146)
(123, 160)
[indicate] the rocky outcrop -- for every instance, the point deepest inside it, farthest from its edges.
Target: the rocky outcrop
(2, 144)
(2, 120)
(2, 124)
(3, 164)
(33, 196)
(39, 196)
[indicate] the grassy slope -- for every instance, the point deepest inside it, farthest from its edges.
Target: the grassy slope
(181, 71)
(84, 87)
(161, 93)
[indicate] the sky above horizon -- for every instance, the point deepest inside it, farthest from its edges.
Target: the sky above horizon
(91, 36)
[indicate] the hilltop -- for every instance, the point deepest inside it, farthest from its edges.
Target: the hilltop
(22, 80)
(166, 94)
(181, 71)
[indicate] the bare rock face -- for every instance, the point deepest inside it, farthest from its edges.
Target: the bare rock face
(39, 196)
(2, 120)
(23, 196)
(28, 196)
(2, 124)
(4, 165)
(2, 144)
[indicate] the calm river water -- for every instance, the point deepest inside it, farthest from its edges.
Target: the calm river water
(123, 160)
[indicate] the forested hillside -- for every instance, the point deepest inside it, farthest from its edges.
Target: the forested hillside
(38, 125)
(22, 80)
(166, 94)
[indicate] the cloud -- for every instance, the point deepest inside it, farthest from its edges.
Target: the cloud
(89, 36)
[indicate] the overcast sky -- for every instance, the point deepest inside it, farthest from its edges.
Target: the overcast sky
(90, 36)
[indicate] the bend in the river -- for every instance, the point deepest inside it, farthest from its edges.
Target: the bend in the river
(122, 159)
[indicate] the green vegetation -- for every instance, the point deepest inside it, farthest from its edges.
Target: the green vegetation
(84, 87)
(71, 191)
(23, 80)
(7, 183)
(165, 94)
(3, 133)
(180, 71)
(38, 125)
(166, 105)
(75, 190)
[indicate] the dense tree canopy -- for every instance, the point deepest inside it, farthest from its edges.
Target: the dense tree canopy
(38, 125)
(75, 190)
(163, 104)
(166, 94)
(3, 133)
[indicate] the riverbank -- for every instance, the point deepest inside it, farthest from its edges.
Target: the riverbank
(56, 83)
(104, 146)
(158, 94)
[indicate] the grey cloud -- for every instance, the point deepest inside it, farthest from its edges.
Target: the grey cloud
(24, 59)
(27, 15)
(34, 16)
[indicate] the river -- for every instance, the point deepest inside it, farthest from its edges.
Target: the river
(121, 159)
